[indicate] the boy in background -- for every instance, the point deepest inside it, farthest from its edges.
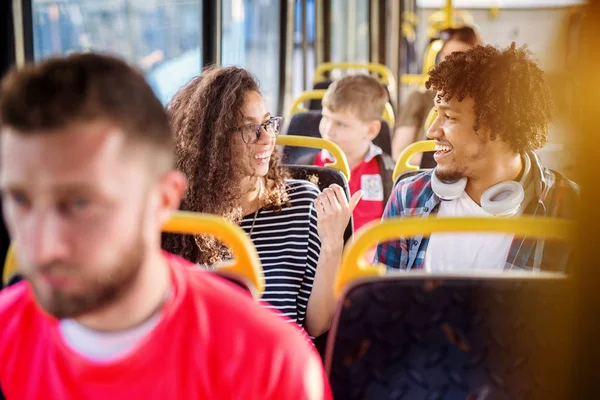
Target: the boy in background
(352, 108)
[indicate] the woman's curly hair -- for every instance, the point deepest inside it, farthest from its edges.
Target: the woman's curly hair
(510, 92)
(204, 116)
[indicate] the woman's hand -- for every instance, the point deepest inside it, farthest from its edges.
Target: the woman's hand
(333, 214)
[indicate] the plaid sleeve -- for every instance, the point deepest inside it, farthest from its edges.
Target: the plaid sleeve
(394, 254)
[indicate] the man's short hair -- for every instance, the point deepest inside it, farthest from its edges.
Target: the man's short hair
(510, 92)
(82, 88)
(362, 95)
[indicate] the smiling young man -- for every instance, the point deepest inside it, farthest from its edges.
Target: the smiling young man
(88, 179)
(494, 108)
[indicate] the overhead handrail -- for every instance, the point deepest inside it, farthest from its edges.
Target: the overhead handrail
(246, 263)
(354, 266)
(317, 94)
(341, 162)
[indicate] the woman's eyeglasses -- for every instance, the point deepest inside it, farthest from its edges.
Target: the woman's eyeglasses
(251, 132)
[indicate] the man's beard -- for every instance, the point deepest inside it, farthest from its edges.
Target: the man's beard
(96, 291)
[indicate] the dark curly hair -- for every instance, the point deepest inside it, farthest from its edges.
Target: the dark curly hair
(204, 116)
(511, 95)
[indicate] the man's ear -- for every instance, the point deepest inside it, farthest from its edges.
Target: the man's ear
(172, 186)
(374, 129)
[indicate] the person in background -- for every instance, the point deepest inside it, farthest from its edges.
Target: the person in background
(225, 139)
(352, 108)
(411, 121)
(87, 178)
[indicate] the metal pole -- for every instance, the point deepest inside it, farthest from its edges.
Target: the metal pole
(287, 12)
(374, 30)
(319, 33)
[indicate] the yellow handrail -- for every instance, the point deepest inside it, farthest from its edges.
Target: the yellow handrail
(297, 106)
(354, 265)
(341, 162)
(246, 262)
(402, 165)
(387, 76)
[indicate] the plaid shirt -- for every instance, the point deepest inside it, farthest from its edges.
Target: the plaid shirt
(556, 196)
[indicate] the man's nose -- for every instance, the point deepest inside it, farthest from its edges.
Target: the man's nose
(435, 131)
(43, 241)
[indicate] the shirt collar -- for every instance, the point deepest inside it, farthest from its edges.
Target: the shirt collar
(373, 152)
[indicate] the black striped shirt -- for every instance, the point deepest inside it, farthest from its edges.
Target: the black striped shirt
(288, 245)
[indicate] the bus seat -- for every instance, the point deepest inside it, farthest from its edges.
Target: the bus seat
(307, 124)
(417, 337)
(447, 336)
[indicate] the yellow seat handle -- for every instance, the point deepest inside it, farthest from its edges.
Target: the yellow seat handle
(402, 165)
(297, 106)
(354, 265)
(246, 263)
(341, 162)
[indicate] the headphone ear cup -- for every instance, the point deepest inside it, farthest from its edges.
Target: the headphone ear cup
(512, 195)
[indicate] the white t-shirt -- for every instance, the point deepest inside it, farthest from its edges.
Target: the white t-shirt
(452, 252)
(104, 346)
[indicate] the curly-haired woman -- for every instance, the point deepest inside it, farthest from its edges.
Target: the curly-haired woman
(494, 109)
(225, 139)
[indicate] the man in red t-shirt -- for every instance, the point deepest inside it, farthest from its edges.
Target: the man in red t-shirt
(352, 107)
(86, 172)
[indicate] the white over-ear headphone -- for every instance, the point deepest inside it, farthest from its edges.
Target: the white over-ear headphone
(503, 199)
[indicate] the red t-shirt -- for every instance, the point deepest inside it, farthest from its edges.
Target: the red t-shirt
(367, 177)
(212, 342)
